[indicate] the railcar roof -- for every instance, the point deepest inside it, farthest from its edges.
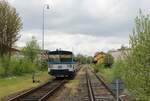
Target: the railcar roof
(60, 52)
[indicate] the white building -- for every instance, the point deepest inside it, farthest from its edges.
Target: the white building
(119, 54)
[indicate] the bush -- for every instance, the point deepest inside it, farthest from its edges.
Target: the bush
(109, 74)
(97, 67)
(105, 72)
(117, 69)
(14, 66)
(28, 66)
(4, 66)
(108, 60)
(137, 67)
(43, 65)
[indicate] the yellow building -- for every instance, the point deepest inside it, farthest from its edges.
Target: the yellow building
(99, 57)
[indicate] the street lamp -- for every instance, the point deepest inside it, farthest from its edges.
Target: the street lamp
(47, 7)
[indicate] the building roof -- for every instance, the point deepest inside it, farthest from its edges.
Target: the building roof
(60, 52)
(14, 49)
(97, 53)
(119, 53)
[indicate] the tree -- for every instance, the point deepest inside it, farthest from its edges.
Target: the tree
(84, 59)
(80, 58)
(136, 71)
(10, 25)
(108, 60)
(31, 50)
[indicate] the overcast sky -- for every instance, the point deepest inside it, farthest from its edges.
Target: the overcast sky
(84, 26)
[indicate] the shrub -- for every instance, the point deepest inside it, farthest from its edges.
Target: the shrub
(16, 69)
(117, 69)
(43, 65)
(14, 66)
(136, 71)
(108, 60)
(28, 66)
(5, 64)
(97, 67)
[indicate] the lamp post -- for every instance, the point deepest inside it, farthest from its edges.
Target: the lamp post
(43, 22)
(47, 7)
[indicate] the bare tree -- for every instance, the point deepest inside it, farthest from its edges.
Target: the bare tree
(10, 25)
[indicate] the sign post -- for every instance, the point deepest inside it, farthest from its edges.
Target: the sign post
(117, 89)
(117, 86)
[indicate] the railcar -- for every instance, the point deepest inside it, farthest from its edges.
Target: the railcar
(61, 63)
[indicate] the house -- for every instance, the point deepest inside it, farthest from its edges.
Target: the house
(119, 53)
(99, 57)
(16, 52)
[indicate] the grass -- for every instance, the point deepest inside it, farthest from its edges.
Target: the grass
(107, 74)
(15, 84)
(73, 85)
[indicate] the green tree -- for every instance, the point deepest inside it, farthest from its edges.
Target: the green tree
(108, 60)
(10, 25)
(31, 50)
(84, 59)
(136, 71)
(80, 58)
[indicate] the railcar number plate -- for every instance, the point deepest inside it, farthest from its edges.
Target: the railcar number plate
(59, 66)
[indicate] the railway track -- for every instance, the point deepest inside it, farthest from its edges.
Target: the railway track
(41, 93)
(97, 89)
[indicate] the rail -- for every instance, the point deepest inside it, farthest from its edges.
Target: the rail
(90, 90)
(40, 93)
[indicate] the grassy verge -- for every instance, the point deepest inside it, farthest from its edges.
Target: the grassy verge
(74, 84)
(107, 74)
(110, 73)
(18, 83)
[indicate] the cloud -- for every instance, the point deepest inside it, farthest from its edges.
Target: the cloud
(69, 20)
(97, 17)
(78, 43)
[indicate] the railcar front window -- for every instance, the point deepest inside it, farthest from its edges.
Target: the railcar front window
(66, 58)
(54, 58)
(60, 58)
